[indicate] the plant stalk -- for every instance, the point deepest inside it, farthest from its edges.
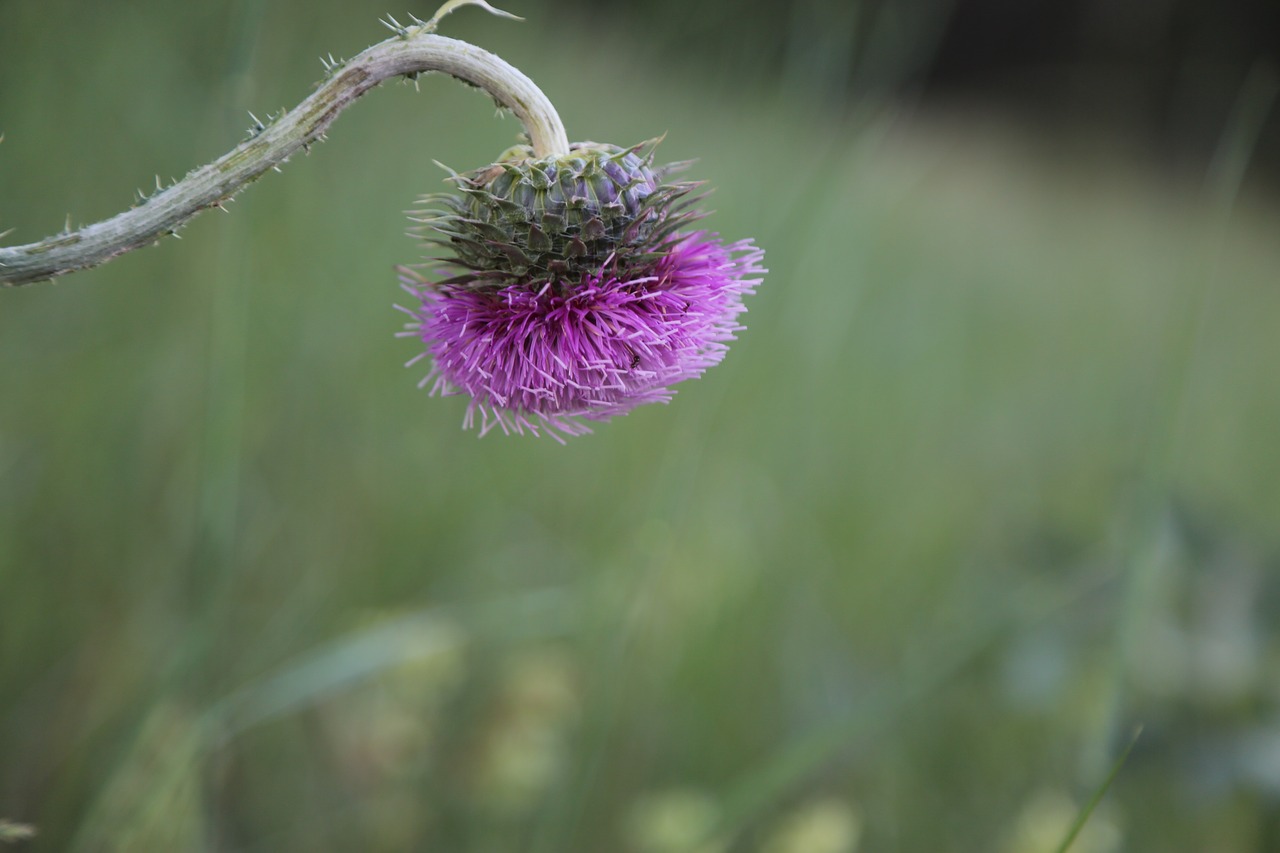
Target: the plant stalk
(413, 51)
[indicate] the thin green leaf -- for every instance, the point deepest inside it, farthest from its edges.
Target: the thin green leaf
(1098, 794)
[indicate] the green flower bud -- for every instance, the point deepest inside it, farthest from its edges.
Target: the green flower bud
(557, 217)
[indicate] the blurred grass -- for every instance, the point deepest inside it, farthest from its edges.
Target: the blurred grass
(874, 559)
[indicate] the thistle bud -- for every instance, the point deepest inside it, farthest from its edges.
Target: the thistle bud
(559, 216)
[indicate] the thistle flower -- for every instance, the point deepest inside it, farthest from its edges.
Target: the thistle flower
(574, 287)
(578, 289)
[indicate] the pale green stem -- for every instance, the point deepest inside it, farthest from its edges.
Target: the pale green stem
(413, 52)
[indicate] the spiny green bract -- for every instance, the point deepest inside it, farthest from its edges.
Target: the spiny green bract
(556, 217)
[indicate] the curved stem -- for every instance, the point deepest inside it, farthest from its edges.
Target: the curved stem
(409, 54)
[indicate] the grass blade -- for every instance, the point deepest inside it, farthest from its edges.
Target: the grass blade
(1098, 794)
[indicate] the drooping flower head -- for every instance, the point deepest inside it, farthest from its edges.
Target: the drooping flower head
(574, 290)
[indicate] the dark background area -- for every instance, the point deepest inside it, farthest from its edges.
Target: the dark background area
(1164, 74)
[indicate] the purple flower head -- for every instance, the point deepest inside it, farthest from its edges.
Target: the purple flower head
(550, 335)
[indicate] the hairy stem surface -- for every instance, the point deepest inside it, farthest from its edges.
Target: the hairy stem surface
(272, 143)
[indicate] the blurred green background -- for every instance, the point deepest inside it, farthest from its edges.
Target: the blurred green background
(991, 479)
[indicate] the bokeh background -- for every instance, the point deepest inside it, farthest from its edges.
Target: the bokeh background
(991, 480)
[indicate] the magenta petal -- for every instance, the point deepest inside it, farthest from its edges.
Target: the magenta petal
(549, 355)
